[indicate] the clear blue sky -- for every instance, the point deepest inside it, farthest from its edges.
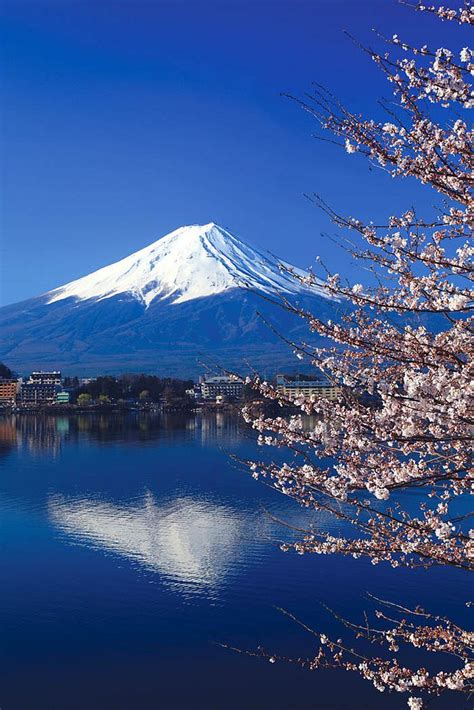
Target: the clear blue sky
(124, 120)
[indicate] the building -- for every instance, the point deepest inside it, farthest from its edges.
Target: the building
(291, 386)
(8, 391)
(33, 393)
(222, 386)
(45, 378)
(62, 397)
(41, 388)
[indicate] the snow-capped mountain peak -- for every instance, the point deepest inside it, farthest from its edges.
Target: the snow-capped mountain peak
(189, 263)
(193, 296)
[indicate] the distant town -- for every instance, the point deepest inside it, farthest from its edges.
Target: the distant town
(50, 390)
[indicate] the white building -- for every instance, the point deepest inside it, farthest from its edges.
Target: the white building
(292, 386)
(45, 378)
(221, 386)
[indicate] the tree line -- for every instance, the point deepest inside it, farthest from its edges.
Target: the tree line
(125, 387)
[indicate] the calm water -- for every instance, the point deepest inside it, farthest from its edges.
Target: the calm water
(131, 546)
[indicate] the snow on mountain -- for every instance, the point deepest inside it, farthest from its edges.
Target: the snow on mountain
(192, 262)
(192, 297)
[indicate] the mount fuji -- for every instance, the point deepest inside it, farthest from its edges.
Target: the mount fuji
(192, 298)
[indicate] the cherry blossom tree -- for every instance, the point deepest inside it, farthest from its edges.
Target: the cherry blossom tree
(407, 340)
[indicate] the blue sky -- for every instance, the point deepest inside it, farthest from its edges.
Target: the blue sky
(124, 120)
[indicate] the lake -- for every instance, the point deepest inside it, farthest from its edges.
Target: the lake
(132, 546)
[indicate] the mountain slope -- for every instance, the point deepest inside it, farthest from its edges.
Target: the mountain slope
(193, 296)
(192, 262)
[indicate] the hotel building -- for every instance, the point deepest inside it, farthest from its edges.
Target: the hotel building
(292, 386)
(8, 391)
(228, 387)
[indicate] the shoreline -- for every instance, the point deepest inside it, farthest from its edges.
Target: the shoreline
(54, 409)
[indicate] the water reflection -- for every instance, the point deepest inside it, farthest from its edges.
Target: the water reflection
(46, 432)
(8, 436)
(33, 433)
(188, 541)
(197, 525)
(127, 562)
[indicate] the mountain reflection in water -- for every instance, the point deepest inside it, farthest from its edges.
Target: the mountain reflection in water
(132, 545)
(188, 541)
